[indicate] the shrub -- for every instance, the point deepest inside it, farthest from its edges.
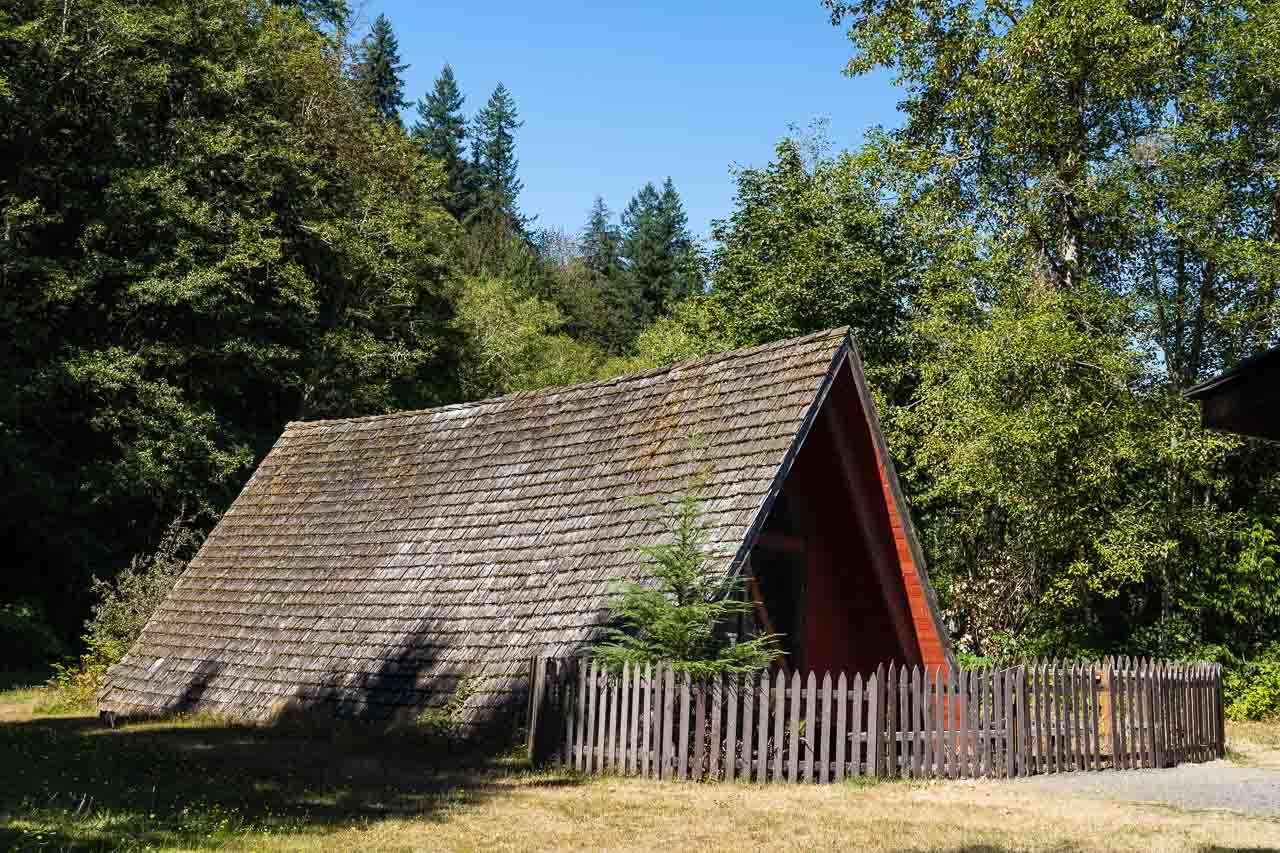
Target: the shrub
(123, 608)
(27, 640)
(1252, 690)
(678, 613)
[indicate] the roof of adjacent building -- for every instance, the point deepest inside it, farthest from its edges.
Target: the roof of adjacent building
(371, 562)
(1244, 400)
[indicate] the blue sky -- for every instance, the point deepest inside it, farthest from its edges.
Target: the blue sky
(615, 95)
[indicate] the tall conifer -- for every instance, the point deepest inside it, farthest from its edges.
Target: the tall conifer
(441, 131)
(494, 157)
(378, 71)
(658, 249)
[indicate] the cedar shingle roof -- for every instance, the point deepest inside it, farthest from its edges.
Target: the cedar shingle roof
(370, 562)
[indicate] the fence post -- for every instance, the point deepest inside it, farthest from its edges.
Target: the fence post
(540, 722)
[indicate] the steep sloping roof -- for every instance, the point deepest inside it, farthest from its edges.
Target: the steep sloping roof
(369, 562)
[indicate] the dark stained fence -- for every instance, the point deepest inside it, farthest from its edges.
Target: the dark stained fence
(784, 726)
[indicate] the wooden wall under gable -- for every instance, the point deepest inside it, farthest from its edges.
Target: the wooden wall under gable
(866, 603)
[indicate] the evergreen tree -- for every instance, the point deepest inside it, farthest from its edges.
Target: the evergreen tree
(441, 131)
(679, 613)
(379, 68)
(601, 244)
(493, 151)
(658, 250)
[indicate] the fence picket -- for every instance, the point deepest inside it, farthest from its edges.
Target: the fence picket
(927, 728)
(1010, 739)
(793, 731)
(1148, 711)
(854, 737)
(779, 723)
(666, 741)
(1140, 712)
(731, 726)
(699, 728)
(1068, 718)
(1134, 734)
(1161, 715)
(914, 723)
(809, 726)
(1095, 731)
(824, 740)
(1073, 736)
(874, 722)
(1024, 724)
(748, 723)
(624, 738)
(991, 720)
(645, 698)
(682, 771)
(939, 726)
(1121, 712)
(1197, 685)
(951, 744)
(962, 745)
(842, 730)
(748, 719)
(891, 720)
(593, 710)
(1219, 743)
(717, 712)
(1159, 736)
(1086, 715)
(1192, 733)
(619, 724)
(608, 717)
(762, 748)
(982, 702)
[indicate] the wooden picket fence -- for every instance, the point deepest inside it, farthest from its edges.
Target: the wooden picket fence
(1035, 717)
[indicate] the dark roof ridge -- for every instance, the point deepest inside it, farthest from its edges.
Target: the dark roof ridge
(701, 361)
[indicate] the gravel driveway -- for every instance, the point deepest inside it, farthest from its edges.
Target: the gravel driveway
(1213, 785)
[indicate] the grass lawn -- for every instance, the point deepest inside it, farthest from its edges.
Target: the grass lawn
(69, 783)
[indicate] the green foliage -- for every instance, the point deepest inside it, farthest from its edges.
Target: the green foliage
(126, 602)
(1084, 194)
(493, 151)
(811, 245)
(1252, 690)
(123, 606)
(441, 130)
(513, 343)
(448, 720)
(658, 252)
(203, 236)
(73, 688)
(28, 641)
(678, 613)
(378, 69)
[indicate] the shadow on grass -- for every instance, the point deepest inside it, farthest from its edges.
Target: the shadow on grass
(71, 783)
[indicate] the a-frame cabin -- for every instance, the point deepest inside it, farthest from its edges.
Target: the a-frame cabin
(372, 564)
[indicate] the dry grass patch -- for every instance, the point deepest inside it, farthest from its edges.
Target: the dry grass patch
(642, 815)
(1256, 744)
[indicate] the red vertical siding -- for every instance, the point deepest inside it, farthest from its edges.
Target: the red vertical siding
(926, 629)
